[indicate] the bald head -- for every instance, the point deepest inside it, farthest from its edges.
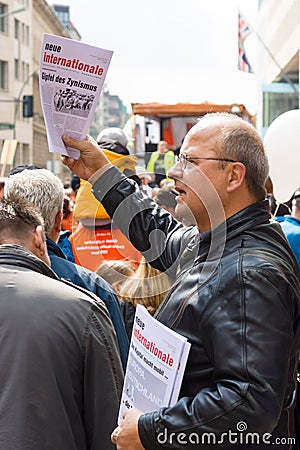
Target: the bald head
(233, 138)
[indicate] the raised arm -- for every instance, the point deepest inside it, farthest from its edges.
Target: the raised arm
(149, 227)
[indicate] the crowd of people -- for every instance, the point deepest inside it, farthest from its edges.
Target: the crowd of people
(195, 240)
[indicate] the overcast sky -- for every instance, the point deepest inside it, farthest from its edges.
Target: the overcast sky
(171, 51)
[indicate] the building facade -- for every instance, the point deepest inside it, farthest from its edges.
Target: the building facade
(22, 25)
(110, 112)
(45, 20)
(15, 71)
(278, 58)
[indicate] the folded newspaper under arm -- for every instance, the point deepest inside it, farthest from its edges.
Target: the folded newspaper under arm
(71, 77)
(155, 367)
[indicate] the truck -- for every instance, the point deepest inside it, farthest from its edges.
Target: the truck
(152, 122)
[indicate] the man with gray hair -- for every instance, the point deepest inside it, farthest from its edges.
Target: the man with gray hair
(61, 375)
(46, 191)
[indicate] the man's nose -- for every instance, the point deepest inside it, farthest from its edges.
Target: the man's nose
(175, 171)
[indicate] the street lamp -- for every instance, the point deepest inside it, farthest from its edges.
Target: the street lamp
(18, 101)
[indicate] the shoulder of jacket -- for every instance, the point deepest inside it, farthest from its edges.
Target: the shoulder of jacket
(92, 297)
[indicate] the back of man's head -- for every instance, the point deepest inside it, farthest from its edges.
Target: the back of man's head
(114, 134)
(41, 188)
(18, 220)
(18, 169)
(113, 139)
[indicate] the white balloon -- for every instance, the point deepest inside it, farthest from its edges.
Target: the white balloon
(282, 144)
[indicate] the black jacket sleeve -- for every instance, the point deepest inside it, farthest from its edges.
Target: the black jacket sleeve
(148, 227)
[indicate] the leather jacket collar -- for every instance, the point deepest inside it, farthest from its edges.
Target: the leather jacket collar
(211, 240)
(15, 255)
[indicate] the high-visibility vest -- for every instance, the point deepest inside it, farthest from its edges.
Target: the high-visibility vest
(169, 160)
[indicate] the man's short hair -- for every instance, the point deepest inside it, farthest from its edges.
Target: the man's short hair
(18, 219)
(240, 141)
(18, 169)
(41, 188)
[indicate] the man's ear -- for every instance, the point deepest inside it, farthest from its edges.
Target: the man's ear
(39, 242)
(236, 176)
(39, 247)
(57, 222)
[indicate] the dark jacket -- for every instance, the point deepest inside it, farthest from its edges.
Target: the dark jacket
(236, 299)
(65, 245)
(94, 283)
(128, 312)
(60, 367)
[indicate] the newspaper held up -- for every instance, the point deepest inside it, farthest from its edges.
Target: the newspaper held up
(155, 367)
(71, 77)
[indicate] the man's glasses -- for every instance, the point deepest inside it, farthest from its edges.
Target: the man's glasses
(183, 159)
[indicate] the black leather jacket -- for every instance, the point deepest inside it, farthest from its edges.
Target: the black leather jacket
(236, 298)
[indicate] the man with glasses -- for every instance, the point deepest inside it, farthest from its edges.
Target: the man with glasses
(235, 294)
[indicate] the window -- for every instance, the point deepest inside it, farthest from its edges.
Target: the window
(26, 40)
(26, 72)
(3, 75)
(17, 29)
(278, 101)
(3, 20)
(17, 69)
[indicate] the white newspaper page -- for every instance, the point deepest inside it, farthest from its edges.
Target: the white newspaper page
(71, 78)
(153, 362)
(180, 373)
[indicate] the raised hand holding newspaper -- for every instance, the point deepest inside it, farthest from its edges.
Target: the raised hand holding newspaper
(71, 78)
(155, 367)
